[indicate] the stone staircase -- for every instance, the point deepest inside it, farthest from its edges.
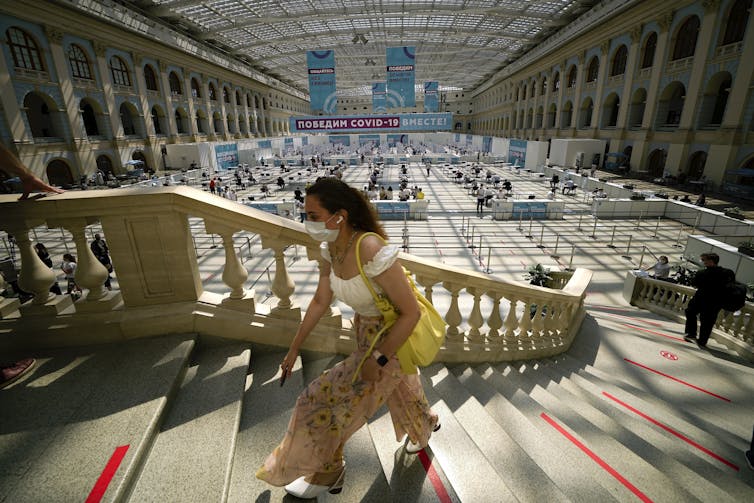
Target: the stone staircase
(182, 418)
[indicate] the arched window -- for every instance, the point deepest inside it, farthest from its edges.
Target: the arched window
(80, 68)
(593, 70)
(104, 164)
(656, 162)
(566, 115)
(180, 123)
(212, 92)
(196, 90)
(556, 82)
(572, 77)
(238, 98)
(40, 116)
(619, 61)
(544, 86)
(59, 173)
(610, 111)
(201, 122)
(119, 71)
(226, 95)
(685, 41)
(648, 56)
(127, 119)
(587, 109)
(638, 105)
(24, 50)
(151, 78)
(90, 119)
(738, 18)
(524, 96)
(158, 121)
(175, 84)
(697, 162)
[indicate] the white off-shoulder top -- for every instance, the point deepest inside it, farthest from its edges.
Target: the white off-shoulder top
(353, 291)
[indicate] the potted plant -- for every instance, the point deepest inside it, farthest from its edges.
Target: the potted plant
(538, 275)
(734, 212)
(746, 248)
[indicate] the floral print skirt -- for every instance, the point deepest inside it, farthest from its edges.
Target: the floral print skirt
(331, 409)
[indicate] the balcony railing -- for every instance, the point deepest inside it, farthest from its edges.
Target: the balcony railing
(671, 300)
(149, 231)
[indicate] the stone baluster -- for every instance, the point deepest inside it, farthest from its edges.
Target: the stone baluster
(475, 317)
(427, 283)
(282, 285)
(90, 273)
(453, 316)
(511, 324)
(525, 326)
(234, 273)
(35, 277)
(538, 322)
(495, 322)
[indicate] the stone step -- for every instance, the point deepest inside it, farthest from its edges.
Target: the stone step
(517, 388)
(706, 479)
(518, 471)
(192, 456)
(453, 447)
(712, 422)
(572, 476)
(267, 409)
(81, 407)
(647, 479)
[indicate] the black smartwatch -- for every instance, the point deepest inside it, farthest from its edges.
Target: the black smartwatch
(381, 359)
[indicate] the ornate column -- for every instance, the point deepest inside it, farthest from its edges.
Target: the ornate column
(191, 111)
(631, 69)
(561, 86)
(658, 67)
(143, 99)
(576, 111)
(169, 107)
(62, 69)
(601, 78)
(116, 126)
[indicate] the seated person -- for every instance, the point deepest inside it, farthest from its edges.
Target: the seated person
(568, 187)
(661, 268)
(685, 199)
(507, 186)
(383, 194)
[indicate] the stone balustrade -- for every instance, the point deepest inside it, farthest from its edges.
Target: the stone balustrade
(149, 232)
(735, 330)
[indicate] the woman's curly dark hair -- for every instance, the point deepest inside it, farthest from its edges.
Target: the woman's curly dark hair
(334, 195)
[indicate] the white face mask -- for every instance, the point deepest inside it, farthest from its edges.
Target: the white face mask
(319, 232)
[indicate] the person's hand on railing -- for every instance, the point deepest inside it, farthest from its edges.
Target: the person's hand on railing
(12, 165)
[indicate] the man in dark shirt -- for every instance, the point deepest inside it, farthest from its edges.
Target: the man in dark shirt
(707, 301)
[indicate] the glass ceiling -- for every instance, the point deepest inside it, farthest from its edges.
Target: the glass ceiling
(459, 43)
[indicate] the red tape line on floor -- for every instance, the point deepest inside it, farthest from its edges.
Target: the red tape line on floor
(653, 332)
(677, 380)
(672, 431)
(107, 474)
(609, 469)
(442, 493)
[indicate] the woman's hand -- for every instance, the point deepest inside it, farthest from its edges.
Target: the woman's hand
(286, 366)
(371, 371)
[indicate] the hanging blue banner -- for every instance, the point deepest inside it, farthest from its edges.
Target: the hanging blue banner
(322, 81)
(400, 77)
(264, 144)
(517, 152)
(226, 155)
(394, 139)
(379, 103)
(487, 144)
(396, 122)
(431, 96)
